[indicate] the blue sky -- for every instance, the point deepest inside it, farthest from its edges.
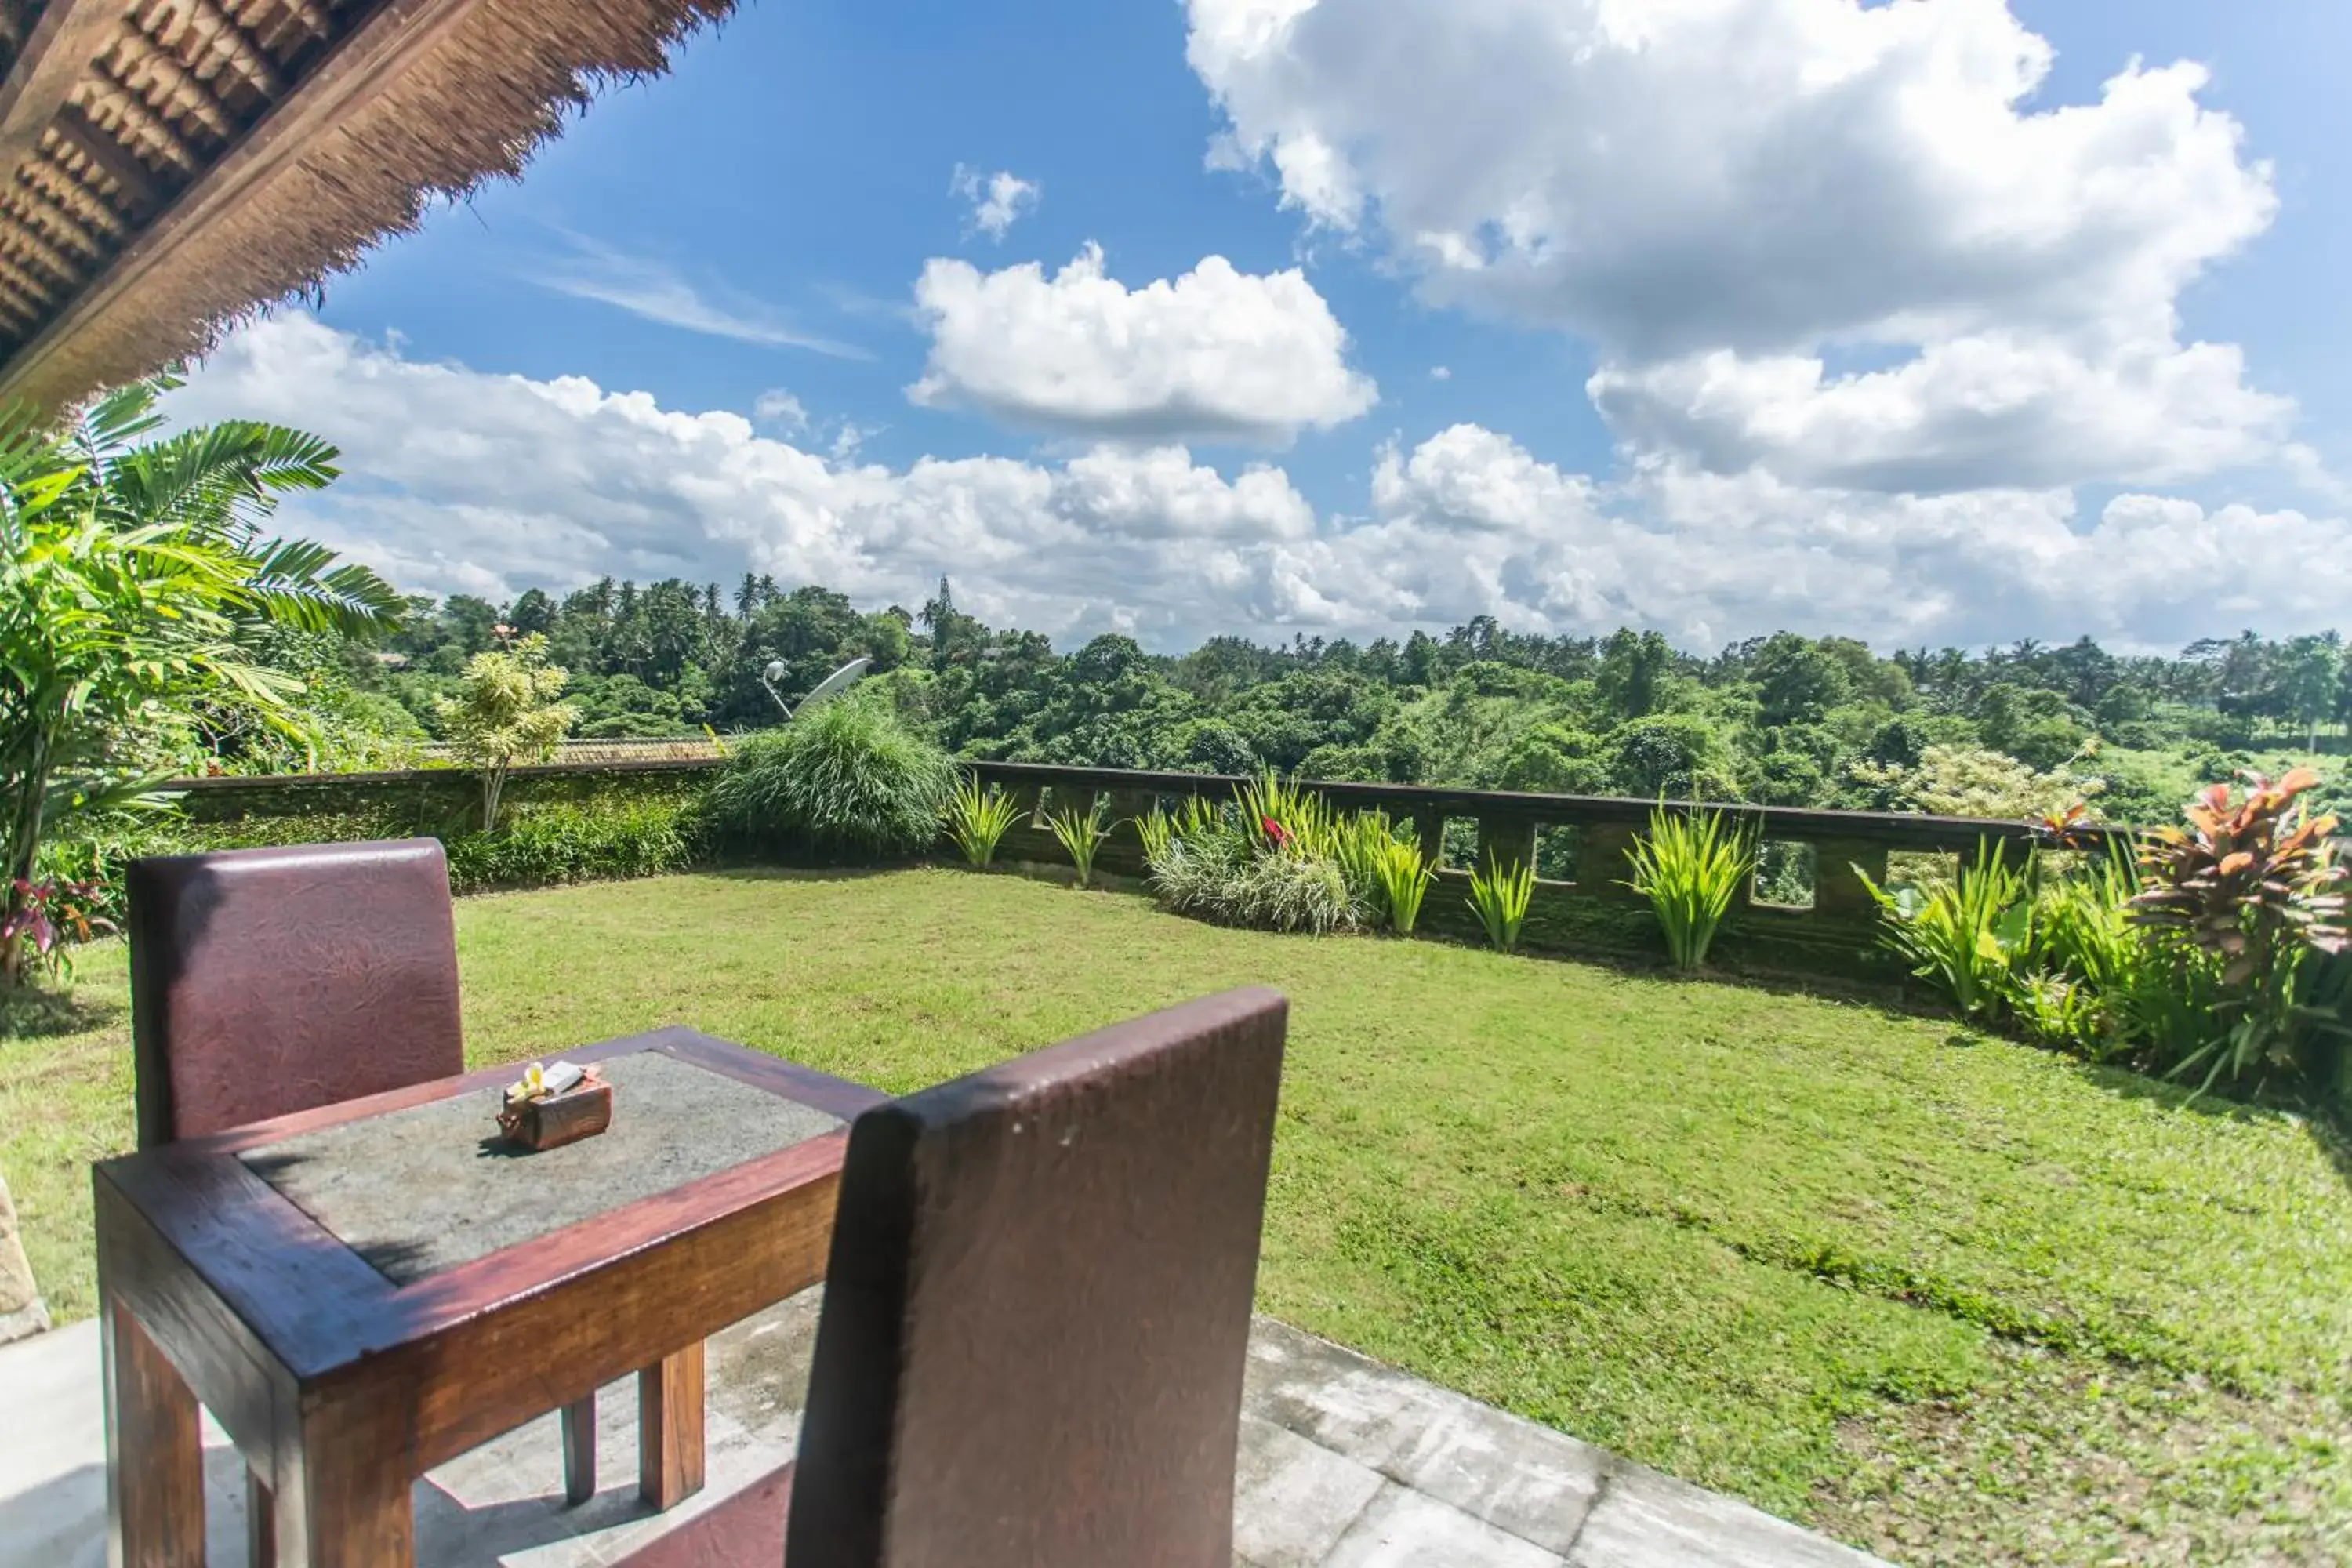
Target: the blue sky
(1621, 271)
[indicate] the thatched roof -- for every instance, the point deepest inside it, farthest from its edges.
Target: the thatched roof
(171, 164)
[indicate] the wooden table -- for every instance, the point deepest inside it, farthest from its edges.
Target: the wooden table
(360, 1293)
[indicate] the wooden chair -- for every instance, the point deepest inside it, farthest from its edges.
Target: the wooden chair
(1036, 1316)
(264, 982)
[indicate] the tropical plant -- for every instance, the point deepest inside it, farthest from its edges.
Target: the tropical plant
(977, 821)
(1290, 893)
(1404, 879)
(2251, 888)
(849, 779)
(507, 711)
(1963, 935)
(1080, 836)
(1690, 865)
(135, 589)
(1153, 830)
(1500, 894)
(43, 915)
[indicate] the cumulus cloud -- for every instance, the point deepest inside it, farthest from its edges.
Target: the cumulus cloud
(997, 200)
(459, 481)
(1722, 195)
(1217, 354)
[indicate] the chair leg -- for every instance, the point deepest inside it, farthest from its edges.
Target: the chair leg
(579, 1451)
(260, 1523)
(669, 1428)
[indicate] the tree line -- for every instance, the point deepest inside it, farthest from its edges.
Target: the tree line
(1781, 720)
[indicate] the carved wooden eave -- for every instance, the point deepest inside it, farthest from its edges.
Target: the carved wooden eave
(170, 165)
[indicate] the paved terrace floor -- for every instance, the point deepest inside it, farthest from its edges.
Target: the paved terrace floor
(1345, 1463)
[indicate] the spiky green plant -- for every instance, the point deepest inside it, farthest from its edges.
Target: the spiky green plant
(976, 821)
(1690, 865)
(1404, 877)
(1155, 830)
(1500, 894)
(1965, 937)
(1081, 835)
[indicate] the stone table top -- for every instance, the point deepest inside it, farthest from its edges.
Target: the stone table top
(424, 1189)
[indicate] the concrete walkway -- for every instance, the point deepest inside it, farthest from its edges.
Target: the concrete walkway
(1345, 1463)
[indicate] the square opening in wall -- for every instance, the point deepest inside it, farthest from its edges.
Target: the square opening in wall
(1925, 870)
(1459, 844)
(1556, 847)
(1784, 877)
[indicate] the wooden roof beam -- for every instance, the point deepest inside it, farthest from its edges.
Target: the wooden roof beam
(366, 61)
(70, 36)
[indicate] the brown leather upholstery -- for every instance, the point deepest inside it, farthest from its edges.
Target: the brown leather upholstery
(1036, 1314)
(264, 982)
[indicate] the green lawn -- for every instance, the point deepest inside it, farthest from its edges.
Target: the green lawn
(1945, 1297)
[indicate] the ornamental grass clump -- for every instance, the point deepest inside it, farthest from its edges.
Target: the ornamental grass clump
(1690, 865)
(976, 821)
(845, 779)
(1500, 895)
(1403, 875)
(1276, 857)
(1081, 835)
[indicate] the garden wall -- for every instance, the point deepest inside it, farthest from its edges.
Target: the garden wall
(1814, 919)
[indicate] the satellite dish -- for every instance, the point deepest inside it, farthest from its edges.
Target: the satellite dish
(848, 675)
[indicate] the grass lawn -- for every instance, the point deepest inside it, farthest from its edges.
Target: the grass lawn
(1945, 1297)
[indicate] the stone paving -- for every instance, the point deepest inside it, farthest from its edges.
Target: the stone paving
(1344, 1464)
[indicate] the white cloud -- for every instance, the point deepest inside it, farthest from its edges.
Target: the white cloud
(1722, 195)
(1440, 372)
(650, 289)
(459, 481)
(780, 410)
(997, 200)
(1215, 354)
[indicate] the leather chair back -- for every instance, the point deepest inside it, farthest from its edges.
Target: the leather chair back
(264, 982)
(1037, 1310)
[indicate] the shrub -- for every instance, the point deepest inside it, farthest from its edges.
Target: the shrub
(1080, 836)
(2247, 891)
(1500, 895)
(848, 780)
(1689, 865)
(977, 822)
(546, 845)
(1292, 893)
(1267, 859)
(1963, 936)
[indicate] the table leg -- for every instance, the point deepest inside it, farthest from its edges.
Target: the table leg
(669, 1428)
(154, 1451)
(346, 1504)
(579, 1424)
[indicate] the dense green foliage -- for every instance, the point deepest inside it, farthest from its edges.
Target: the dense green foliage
(1784, 720)
(846, 778)
(140, 605)
(2213, 951)
(1947, 1296)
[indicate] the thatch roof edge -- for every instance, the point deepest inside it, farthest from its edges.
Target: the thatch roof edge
(428, 99)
